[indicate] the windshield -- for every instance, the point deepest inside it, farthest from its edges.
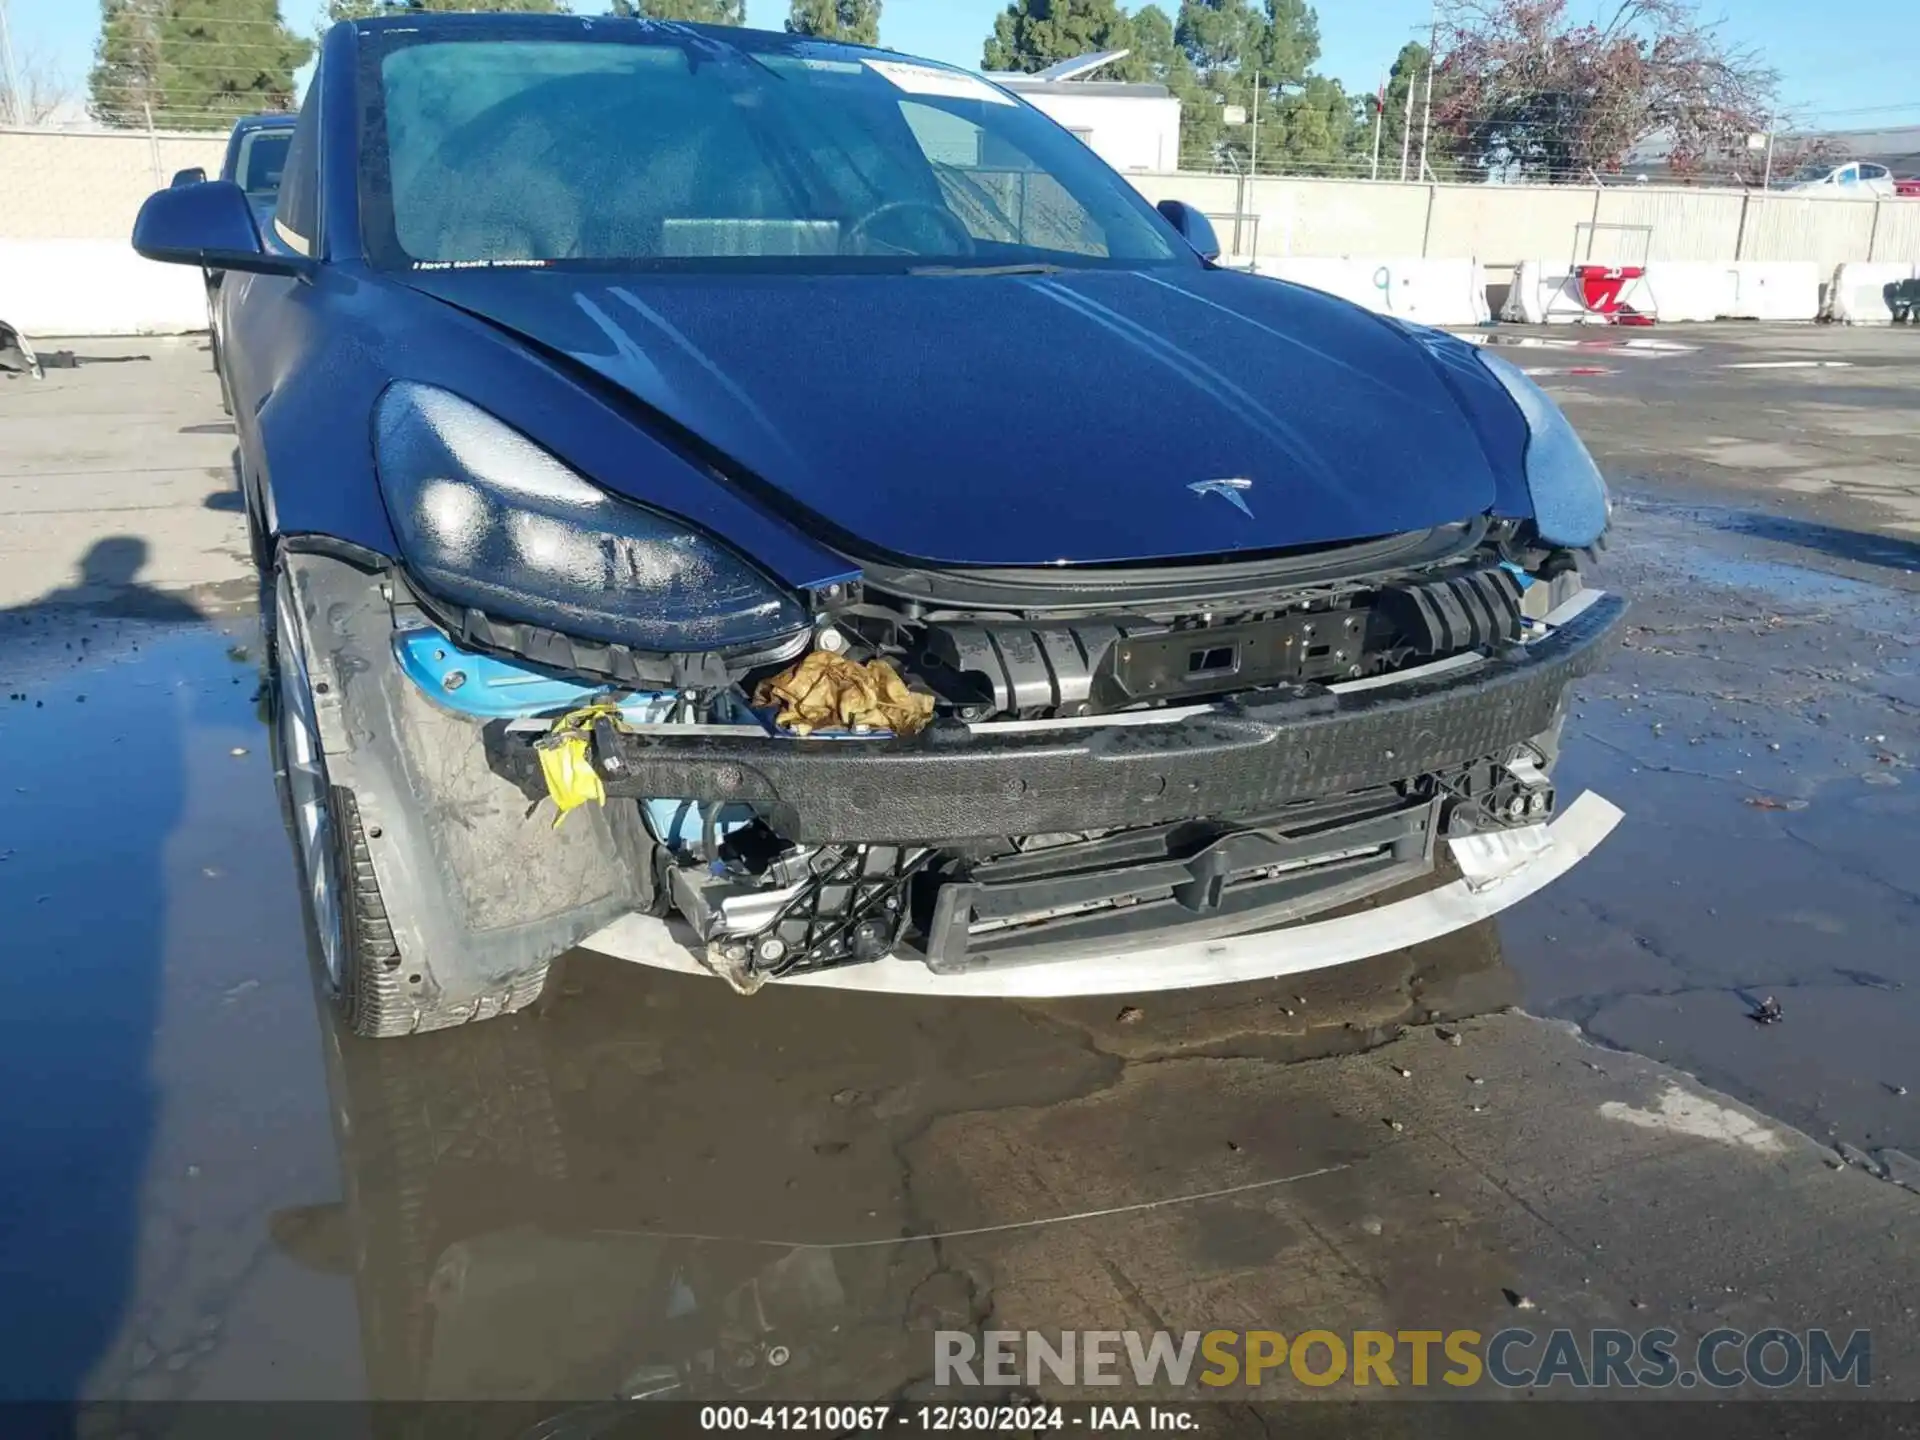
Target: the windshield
(1812, 174)
(263, 155)
(673, 149)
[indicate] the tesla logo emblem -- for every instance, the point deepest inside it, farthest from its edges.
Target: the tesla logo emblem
(1234, 492)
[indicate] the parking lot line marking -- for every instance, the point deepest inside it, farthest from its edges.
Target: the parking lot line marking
(1789, 365)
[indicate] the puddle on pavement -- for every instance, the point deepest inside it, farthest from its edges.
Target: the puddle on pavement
(160, 1084)
(650, 1186)
(647, 1185)
(1761, 728)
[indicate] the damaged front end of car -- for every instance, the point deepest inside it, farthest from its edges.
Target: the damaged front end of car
(1101, 777)
(968, 769)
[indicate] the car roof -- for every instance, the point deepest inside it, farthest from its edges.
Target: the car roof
(275, 120)
(735, 36)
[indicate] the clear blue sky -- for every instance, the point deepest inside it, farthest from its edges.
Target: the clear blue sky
(1846, 64)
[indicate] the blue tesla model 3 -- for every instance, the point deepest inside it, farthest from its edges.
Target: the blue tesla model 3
(789, 510)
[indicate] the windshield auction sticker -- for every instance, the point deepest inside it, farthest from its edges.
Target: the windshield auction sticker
(926, 80)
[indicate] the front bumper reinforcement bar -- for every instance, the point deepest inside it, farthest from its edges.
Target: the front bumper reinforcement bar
(955, 783)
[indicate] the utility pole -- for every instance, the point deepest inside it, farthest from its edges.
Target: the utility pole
(1766, 184)
(16, 102)
(1379, 118)
(1253, 154)
(1433, 42)
(1426, 121)
(1406, 131)
(153, 141)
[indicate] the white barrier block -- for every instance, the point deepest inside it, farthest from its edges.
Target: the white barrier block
(1859, 292)
(1429, 292)
(1547, 292)
(1774, 290)
(1678, 291)
(96, 287)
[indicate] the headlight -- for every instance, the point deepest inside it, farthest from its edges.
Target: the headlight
(487, 518)
(1571, 506)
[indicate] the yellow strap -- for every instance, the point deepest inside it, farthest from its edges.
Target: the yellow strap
(566, 760)
(571, 778)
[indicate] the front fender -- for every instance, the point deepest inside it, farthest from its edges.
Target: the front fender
(478, 888)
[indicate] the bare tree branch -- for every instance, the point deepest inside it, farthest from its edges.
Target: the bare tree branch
(1531, 95)
(43, 92)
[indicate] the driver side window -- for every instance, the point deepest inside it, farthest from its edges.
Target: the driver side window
(296, 214)
(995, 189)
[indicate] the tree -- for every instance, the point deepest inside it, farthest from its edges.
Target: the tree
(1291, 42)
(1030, 35)
(1160, 56)
(1531, 95)
(221, 59)
(362, 9)
(699, 12)
(124, 85)
(1308, 123)
(42, 94)
(1221, 35)
(1406, 85)
(193, 64)
(1314, 132)
(855, 21)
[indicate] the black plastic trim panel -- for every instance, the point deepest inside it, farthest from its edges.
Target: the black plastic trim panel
(1082, 588)
(1219, 889)
(621, 664)
(951, 783)
(1455, 612)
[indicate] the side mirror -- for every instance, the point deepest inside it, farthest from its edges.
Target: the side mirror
(193, 175)
(1195, 227)
(209, 225)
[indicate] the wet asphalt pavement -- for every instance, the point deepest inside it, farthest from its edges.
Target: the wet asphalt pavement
(651, 1185)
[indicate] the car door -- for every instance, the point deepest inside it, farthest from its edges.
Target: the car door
(1876, 179)
(265, 323)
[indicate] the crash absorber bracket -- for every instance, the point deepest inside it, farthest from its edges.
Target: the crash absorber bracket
(732, 959)
(850, 908)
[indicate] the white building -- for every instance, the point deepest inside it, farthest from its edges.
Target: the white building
(1131, 127)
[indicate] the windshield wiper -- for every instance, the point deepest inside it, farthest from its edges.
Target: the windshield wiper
(1017, 269)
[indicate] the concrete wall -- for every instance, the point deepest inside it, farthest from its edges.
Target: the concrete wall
(1896, 235)
(1504, 224)
(1828, 231)
(56, 186)
(88, 186)
(1686, 225)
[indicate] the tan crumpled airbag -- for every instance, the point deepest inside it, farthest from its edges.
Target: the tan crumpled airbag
(831, 692)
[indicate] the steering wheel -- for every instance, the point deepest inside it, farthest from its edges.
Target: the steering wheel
(962, 236)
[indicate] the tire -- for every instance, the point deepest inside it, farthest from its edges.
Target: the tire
(219, 370)
(376, 990)
(438, 1142)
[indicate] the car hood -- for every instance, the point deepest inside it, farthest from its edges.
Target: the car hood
(1023, 420)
